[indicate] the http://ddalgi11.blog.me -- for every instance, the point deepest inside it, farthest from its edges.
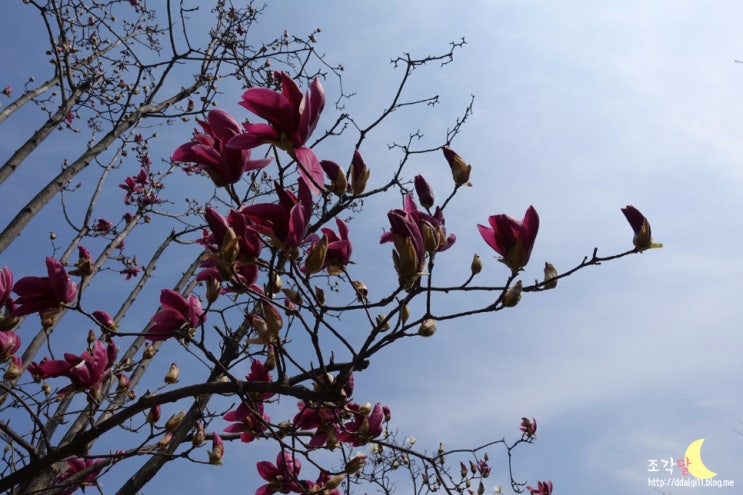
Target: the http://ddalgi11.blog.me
(689, 482)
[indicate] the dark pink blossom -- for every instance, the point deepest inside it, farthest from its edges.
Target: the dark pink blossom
(366, 424)
(543, 488)
(528, 427)
(86, 371)
(130, 271)
(76, 465)
(284, 223)
(223, 165)
(282, 477)
(291, 117)
(176, 314)
(39, 294)
(105, 320)
(103, 226)
(339, 248)
(321, 419)
(511, 238)
(250, 421)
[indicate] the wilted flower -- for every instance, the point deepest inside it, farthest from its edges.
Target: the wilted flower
(223, 164)
(511, 238)
(292, 117)
(460, 170)
(642, 239)
(39, 294)
(175, 313)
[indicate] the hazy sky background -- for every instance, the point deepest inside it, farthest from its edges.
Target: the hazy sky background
(580, 109)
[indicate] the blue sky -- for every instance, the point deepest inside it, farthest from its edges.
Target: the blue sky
(580, 109)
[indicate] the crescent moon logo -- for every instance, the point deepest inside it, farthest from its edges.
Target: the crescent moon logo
(694, 460)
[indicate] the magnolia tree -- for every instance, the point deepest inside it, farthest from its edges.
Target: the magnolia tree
(270, 284)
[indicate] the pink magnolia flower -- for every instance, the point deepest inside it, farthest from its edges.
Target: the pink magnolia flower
(39, 294)
(339, 248)
(223, 165)
(291, 117)
(134, 185)
(176, 314)
(365, 426)
(511, 238)
(250, 421)
(528, 427)
(281, 477)
(86, 371)
(103, 226)
(10, 342)
(284, 223)
(543, 488)
(76, 465)
(130, 271)
(232, 248)
(321, 419)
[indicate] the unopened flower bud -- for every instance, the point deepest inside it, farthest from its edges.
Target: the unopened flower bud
(337, 176)
(476, 265)
(316, 256)
(162, 444)
(149, 351)
(359, 174)
(320, 295)
(123, 382)
(365, 409)
(383, 325)
(46, 388)
(91, 337)
(424, 191)
(199, 437)
(427, 328)
(404, 313)
(154, 415)
(172, 375)
(294, 296)
(213, 289)
(460, 170)
(356, 463)
(174, 422)
(15, 369)
(217, 452)
(480, 489)
(361, 291)
(513, 295)
(270, 363)
(334, 482)
(550, 274)
(276, 283)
